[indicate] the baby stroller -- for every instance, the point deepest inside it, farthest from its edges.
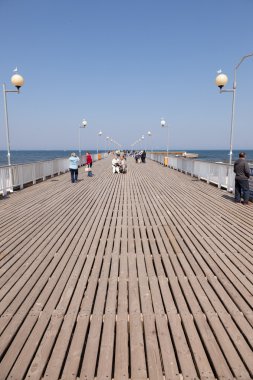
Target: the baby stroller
(88, 170)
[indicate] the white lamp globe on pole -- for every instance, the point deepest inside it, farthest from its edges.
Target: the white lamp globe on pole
(107, 143)
(164, 125)
(142, 137)
(150, 135)
(99, 134)
(221, 80)
(112, 142)
(18, 81)
(83, 125)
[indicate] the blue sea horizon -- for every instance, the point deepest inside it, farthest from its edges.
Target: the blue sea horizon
(28, 156)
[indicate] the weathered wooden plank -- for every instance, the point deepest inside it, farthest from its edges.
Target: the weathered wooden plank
(143, 276)
(122, 335)
(49, 341)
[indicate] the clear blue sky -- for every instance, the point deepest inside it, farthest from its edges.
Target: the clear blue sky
(122, 65)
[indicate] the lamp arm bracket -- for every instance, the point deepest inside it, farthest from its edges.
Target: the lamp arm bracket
(243, 58)
(232, 90)
(16, 91)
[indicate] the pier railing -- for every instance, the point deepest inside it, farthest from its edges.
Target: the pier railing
(17, 176)
(218, 174)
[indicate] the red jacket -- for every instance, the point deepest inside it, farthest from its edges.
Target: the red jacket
(88, 159)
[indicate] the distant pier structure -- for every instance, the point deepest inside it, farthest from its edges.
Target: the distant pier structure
(144, 275)
(178, 154)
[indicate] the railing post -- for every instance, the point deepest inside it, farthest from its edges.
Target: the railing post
(208, 173)
(34, 174)
(219, 178)
(20, 176)
(4, 181)
(193, 169)
(44, 169)
(231, 179)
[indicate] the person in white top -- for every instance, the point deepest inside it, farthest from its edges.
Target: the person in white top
(123, 164)
(115, 165)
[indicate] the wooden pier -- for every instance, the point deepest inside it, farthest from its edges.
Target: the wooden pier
(144, 275)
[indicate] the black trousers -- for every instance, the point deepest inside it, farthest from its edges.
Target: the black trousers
(242, 189)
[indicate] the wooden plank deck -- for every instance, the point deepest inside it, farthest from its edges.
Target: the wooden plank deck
(147, 275)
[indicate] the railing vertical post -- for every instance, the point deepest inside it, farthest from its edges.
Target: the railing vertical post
(219, 177)
(34, 174)
(20, 176)
(44, 170)
(208, 173)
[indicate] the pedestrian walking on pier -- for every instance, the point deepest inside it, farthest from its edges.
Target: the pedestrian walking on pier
(143, 157)
(73, 167)
(88, 160)
(89, 164)
(242, 174)
(137, 156)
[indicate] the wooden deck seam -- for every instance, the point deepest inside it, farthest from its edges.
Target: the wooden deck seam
(147, 281)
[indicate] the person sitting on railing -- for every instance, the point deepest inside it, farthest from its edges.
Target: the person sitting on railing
(73, 167)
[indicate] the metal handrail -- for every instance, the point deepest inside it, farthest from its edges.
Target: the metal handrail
(17, 175)
(220, 174)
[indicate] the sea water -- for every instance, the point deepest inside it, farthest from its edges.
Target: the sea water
(28, 156)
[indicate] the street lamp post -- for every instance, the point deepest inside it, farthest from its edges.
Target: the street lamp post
(18, 81)
(142, 137)
(107, 143)
(150, 135)
(165, 125)
(83, 125)
(99, 134)
(221, 81)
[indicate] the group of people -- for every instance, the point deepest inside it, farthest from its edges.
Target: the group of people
(74, 161)
(119, 164)
(140, 156)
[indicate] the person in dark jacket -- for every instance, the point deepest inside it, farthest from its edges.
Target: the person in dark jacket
(242, 174)
(137, 157)
(143, 157)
